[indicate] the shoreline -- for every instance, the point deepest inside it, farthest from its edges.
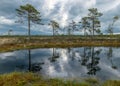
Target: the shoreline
(32, 79)
(16, 43)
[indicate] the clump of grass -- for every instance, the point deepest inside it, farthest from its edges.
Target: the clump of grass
(17, 79)
(111, 83)
(92, 80)
(30, 79)
(59, 82)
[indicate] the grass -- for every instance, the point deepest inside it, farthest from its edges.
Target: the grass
(112, 83)
(92, 80)
(30, 79)
(21, 42)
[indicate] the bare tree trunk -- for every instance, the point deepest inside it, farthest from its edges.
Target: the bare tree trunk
(68, 31)
(29, 35)
(93, 28)
(53, 31)
(84, 31)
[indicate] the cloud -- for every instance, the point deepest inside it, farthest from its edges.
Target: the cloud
(107, 5)
(63, 11)
(6, 21)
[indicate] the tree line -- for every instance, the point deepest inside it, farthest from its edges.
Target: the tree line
(90, 24)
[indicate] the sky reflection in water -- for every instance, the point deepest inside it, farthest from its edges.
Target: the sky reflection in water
(100, 62)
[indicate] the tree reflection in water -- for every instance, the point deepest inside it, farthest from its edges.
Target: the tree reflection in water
(71, 53)
(55, 55)
(32, 67)
(110, 56)
(90, 59)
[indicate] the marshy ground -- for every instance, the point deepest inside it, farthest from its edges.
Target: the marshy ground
(30, 79)
(8, 43)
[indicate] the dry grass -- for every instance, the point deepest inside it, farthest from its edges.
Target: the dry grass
(30, 79)
(112, 83)
(50, 42)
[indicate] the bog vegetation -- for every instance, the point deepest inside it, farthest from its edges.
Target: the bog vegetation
(30, 79)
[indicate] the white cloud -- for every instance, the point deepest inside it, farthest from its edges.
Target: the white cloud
(6, 21)
(107, 5)
(64, 19)
(63, 11)
(48, 6)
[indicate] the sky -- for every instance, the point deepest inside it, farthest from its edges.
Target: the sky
(63, 11)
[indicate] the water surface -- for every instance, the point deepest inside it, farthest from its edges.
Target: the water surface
(100, 62)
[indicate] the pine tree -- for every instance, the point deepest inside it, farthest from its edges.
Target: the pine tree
(29, 13)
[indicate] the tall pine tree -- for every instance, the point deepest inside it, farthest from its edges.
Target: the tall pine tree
(29, 13)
